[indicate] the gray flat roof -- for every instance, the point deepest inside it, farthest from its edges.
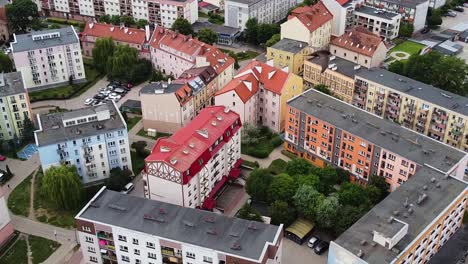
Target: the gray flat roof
(407, 3)
(376, 12)
(384, 133)
(13, 84)
(220, 29)
(423, 214)
(53, 130)
(290, 45)
(152, 87)
(247, 2)
(448, 100)
(344, 67)
(182, 224)
(25, 41)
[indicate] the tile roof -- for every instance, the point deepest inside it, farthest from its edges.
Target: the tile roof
(206, 74)
(122, 34)
(312, 17)
(185, 147)
(190, 47)
(359, 40)
(256, 73)
(183, 224)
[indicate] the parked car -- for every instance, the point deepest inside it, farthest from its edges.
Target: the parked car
(99, 96)
(321, 247)
(2, 158)
(128, 188)
(89, 101)
(459, 9)
(465, 4)
(451, 13)
(105, 93)
(313, 241)
(120, 91)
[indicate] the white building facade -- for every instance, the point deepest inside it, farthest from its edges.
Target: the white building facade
(191, 166)
(380, 22)
(48, 58)
(94, 140)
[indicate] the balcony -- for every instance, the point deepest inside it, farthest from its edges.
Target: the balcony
(456, 132)
(105, 235)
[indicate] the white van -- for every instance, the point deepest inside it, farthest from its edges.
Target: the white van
(128, 188)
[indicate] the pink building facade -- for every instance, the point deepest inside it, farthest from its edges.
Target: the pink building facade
(6, 227)
(395, 168)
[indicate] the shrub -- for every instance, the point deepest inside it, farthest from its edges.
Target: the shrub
(276, 141)
(258, 153)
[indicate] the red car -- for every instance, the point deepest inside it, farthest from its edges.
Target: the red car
(2, 158)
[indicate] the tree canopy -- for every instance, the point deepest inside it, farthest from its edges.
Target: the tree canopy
(118, 179)
(22, 14)
(249, 213)
(28, 130)
(258, 183)
(298, 167)
(306, 200)
(102, 51)
(63, 186)
(6, 65)
(183, 26)
(207, 36)
(273, 40)
(282, 188)
(281, 213)
(256, 33)
(406, 30)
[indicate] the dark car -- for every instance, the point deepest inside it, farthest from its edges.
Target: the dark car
(99, 96)
(459, 9)
(321, 247)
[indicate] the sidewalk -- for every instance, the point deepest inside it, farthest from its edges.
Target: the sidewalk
(265, 163)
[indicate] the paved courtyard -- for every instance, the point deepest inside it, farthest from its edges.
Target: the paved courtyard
(294, 253)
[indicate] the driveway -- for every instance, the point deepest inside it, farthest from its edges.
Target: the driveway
(448, 22)
(295, 253)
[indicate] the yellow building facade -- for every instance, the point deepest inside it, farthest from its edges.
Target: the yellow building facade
(288, 53)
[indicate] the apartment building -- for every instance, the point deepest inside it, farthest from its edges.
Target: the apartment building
(191, 166)
(173, 53)
(326, 131)
(48, 58)
(160, 12)
(168, 106)
(118, 228)
(412, 12)
(338, 77)
(423, 108)
(289, 55)
(259, 94)
(340, 10)
(93, 139)
(237, 12)
(4, 28)
(309, 24)
(15, 105)
(6, 227)
(409, 226)
(360, 46)
(121, 35)
(380, 22)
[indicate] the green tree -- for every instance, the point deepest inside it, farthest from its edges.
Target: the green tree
(105, 19)
(257, 184)
(310, 180)
(207, 36)
(322, 88)
(102, 52)
(6, 65)
(249, 213)
(127, 21)
(326, 212)
(433, 18)
(63, 187)
(397, 67)
(273, 40)
(406, 30)
(118, 179)
(450, 73)
(22, 14)
(352, 194)
(281, 213)
(140, 148)
(183, 26)
(346, 217)
(306, 200)
(374, 194)
(115, 20)
(141, 23)
(381, 184)
(120, 65)
(298, 167)
(140, 72)
(28, 130)
(266, 31)
(282, 188)
(251, 31)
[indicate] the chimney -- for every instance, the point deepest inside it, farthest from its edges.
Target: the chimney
(147, 32)
(91, 25)
(126, 30)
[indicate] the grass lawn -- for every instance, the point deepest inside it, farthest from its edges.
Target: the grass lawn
(277, 166)
(46, 211)
(18, 254)
(19, 199)
(248, 55)
(41, 248)
(68, 91)
(142, 133)
(409, 47)
(250, 164)
(138, 163)
(131, 122)
(265, 143)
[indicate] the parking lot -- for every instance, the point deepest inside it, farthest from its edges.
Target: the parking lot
(294, 253)
(448, 22)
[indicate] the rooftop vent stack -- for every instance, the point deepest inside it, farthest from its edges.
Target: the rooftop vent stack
(360, 254)
(363, 242)
(406, 203)
(390, 220)
(438, 185)
(421, 198)
(410, 210)
(425, 187)
(433, 179)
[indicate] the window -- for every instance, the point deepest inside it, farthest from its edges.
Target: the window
(137, 252)
(151, 255)
(93, 259)
(125, 258)
(150, 245)
(207, 259)
(135, 241)
(89, 239)
(123, 248)
(190, 255)
(123, 238)
(86, 228)
(91, 249)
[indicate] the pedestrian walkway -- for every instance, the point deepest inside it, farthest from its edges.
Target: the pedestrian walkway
(265, 163)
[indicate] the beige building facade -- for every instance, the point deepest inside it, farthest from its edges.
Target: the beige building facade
(288, 54)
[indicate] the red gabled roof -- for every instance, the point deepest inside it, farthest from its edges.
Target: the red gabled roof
(121, 34)
(359, 40)
(256, 73)
(186, 146)
(312, 17)
(342, 2)
(217, 59)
